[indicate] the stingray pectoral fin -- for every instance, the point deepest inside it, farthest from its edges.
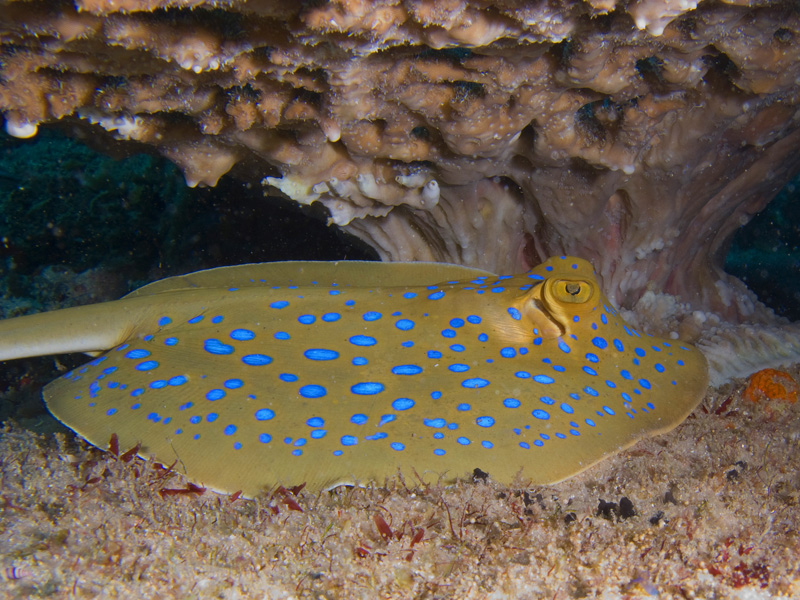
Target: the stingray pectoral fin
(91, 329)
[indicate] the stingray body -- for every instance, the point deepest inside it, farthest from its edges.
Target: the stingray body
(331, 373)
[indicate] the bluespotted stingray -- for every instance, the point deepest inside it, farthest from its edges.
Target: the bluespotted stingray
(351, 372)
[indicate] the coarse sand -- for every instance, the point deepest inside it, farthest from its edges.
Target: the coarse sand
(709, 510)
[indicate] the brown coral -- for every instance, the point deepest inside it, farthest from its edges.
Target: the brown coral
(639, 136)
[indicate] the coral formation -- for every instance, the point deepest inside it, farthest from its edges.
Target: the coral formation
(493, 134)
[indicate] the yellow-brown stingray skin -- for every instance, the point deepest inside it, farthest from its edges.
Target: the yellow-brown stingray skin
(535, 376)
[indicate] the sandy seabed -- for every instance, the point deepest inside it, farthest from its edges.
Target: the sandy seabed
(709, 510)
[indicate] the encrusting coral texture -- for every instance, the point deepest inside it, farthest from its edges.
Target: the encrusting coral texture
(637, 135)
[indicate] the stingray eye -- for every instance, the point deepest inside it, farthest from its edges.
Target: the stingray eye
(574, 292)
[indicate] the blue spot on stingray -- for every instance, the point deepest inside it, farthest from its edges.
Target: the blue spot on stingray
(610, 383)
(543, 379)
(484, 421)
(264, 438)
(546, 400)
(217, 319)
(626, 397)
(487, 444)
(592, 357)
(626, 374)
(178, 380)
(306, 319)
(279, 304)
(456, 323)
(644, 383)
(409, 295)
(608, 410)
(109, 370)
(318, 434)
(194, 420)
(214, 346)
(436, 395)
(233, 384)
(522, 374)
(402, 404)
(349, 440)
(434, 422)
(639, 352)
(439, 452)
(147, 365)
(146, 338)
(363, 340)
(591, 391)
(458, 368)
(589, 371)
(404, 324)
(434, 354)
(452, 426)
(659, 367)
(212, 417)
(215, 394)
(111, 411)
(515, 314)
(511, 403)
(563, 346)
(463, 406)
(464, 441)
(618, 345)
(372, 316)
(448, 333)
(316, 422)
(436, 296)
(137, 354)
(541, 414)
(457, 348)
(320, 354)
(475, 382)
(567, 408)
(281, 335)
(600, 343)
(256, 360)
(359, 361)
(359, 419)
(397, 446)
(242, 334)
(196, 319)
(386, 419)
(164, 321)
(331, 317)
(407, 370)
(287, 377)
(312, 391)
(171, 341)
(483, 337)
(474, 319)
(508, 352)
(367, 388)
(264, 414)
(377, 436)
(229, 430)
(137, 392)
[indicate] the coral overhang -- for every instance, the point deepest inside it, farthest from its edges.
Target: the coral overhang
(639, 135)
